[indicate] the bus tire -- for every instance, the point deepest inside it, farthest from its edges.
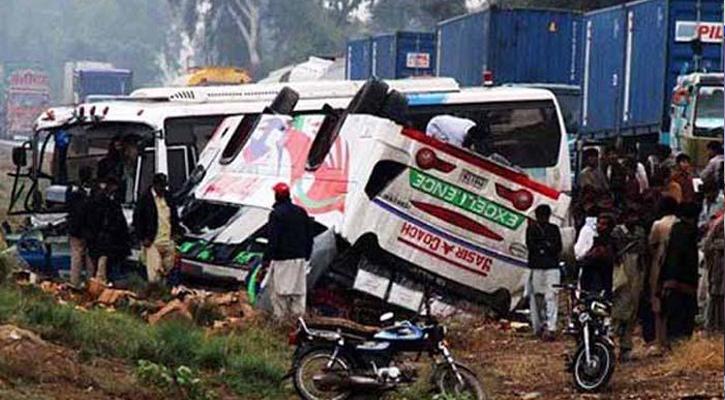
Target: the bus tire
(369, 99)
(285, 101)
(395, 107)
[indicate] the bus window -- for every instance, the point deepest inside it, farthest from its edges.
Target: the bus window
(145, 171)
(178, 167)
(90, 146)
(191, 131)
(527, 134)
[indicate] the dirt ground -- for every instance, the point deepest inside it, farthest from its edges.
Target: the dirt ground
(515, 365)
(33, 369)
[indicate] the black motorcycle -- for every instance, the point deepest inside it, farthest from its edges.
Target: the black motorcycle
(333, 362)
(593, 363)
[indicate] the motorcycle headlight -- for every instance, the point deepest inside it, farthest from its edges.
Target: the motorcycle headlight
(584, 317)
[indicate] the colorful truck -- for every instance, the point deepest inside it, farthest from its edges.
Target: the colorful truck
(25, 95)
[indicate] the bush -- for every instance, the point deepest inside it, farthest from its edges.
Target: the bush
(181, 380)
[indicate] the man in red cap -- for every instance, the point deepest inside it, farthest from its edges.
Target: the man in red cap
(290, 245)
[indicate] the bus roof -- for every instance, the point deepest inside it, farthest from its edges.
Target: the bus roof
(145, 110)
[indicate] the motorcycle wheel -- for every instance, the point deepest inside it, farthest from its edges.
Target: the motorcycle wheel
(315, 363)
(448, 386)
(591, 378)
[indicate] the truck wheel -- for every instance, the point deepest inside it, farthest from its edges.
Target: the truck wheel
(369, 99)
(285, 101)
(395, 107)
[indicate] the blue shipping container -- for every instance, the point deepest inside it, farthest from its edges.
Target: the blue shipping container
(633, 54)
(404, 55)
(359, 64)
(517, 45)
(103, 82)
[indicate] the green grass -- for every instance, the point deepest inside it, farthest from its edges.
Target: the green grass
(249, 363)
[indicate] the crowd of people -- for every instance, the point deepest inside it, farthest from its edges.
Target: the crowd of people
(643, 231)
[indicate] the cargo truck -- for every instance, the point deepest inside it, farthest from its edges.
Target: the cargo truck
(636, 55)
(25, 94)
(89, 78)
(513, 45)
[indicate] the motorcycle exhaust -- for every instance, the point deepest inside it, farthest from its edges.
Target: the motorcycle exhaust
(328, 382)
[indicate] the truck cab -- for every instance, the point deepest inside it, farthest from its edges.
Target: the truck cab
(697, 115)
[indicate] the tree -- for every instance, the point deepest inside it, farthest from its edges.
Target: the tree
(127, 33)
(302, 28)
(203, 28)
(391, 15)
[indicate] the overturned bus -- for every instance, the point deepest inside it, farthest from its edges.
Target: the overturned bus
(396, 211)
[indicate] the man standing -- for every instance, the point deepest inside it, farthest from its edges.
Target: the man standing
(79, 227)
(679, 276)
(683, 177)
(713, 172)
(712, 204)
(290, 246)
(592, 176)
(543, 241)
(597, 264)
(659, 239)
(156, 222)
(713, 247)
(630, 243)
(110, 241)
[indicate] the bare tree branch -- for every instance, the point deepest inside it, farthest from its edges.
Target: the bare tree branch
(250, 30)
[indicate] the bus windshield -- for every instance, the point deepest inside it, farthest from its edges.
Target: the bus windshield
(709, 117)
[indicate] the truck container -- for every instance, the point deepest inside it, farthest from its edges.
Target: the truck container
(88, 78)
(359, 62)
(515, 45)
(632, 57)
(392, 56)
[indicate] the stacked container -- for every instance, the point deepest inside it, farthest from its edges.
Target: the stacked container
(392, 56)
(516, 45)
(634, 53)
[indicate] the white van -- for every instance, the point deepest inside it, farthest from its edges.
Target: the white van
(432, 208)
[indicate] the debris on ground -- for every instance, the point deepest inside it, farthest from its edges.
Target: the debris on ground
(175, 310)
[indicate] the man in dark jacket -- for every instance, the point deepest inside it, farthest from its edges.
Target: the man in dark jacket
(290, 246)
(597, 265)
(156, 224)
(79, 199)
(679, 277)
(543, 241)
(110, 242)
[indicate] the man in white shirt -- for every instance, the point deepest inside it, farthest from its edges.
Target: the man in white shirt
(585, 241)
(449, 129)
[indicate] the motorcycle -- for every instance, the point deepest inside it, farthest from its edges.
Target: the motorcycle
(590, 320)
(332, 364)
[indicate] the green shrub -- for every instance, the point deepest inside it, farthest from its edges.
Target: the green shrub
(181, 380)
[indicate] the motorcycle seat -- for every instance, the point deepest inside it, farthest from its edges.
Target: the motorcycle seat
(345, 326)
